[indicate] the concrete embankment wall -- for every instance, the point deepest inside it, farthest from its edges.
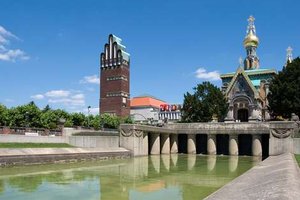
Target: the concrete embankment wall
(277, 177)
(7, 138)
(296, 145)
(95, 141)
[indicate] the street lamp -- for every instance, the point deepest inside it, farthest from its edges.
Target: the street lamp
(88, 117)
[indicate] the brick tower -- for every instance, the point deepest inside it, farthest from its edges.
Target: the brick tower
(114, 78)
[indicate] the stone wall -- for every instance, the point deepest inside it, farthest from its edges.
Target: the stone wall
(7, 138)
(94, 141)
(296, 142)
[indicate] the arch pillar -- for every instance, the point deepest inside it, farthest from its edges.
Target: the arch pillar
(233, 145)
(191, 144)
(174, 143)
(165, 144)
(256, 145)
(211, 144)
(155, 143)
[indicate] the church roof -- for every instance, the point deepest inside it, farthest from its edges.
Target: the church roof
(241, 71)
(250, 72)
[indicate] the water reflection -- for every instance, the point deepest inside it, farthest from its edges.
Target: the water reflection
(154, 177)
(211, 162)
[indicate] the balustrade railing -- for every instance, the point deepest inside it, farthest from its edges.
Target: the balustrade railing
(23, 130)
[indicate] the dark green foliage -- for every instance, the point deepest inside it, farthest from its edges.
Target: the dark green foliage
(284, 96)
(30, 115)
(206, 101)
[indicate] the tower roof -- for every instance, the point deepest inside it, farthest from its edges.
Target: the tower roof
(251, 39)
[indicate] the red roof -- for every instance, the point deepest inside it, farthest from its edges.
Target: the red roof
(145, 102)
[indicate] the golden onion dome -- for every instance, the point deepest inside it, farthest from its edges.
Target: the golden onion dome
(251, 40)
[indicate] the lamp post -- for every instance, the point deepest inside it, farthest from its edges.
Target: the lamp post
(88, 117)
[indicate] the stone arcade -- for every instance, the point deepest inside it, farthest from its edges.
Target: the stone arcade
(256, 139)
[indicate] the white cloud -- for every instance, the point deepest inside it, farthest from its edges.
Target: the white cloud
(67, 98)
(78, 96)
(37, 96)
(7, 54)
(57, 93)
(94, 79)
(5, 33)
(201, 73)
(68, 101)
(13, 55)
(93, 111)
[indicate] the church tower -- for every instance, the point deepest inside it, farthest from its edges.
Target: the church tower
(289, 55)
(251, 42)
(114, 78)
(247, 88)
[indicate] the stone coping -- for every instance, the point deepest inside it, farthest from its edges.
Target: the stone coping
(53, 151)
(277, 177)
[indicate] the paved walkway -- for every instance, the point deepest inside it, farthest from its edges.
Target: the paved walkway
(277, 177)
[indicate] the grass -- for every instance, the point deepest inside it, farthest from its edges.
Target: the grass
(34, 145)
(298, 158)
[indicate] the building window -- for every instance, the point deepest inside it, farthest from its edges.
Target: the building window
(115, 78)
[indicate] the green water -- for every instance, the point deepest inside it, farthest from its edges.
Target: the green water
(176, 177)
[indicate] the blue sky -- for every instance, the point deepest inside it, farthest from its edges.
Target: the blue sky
(49, 50)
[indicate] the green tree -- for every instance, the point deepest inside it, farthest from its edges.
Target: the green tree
(4, 117)
(25, 115)
(284, 95)
(109, 121)
(78, 119)
(206, 101)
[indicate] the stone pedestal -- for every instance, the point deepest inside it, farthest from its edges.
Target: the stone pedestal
(211, 144)
(256, 145)
(155, 143)
(165, 143)
(174, 143)
(233, 145)
(191, 144)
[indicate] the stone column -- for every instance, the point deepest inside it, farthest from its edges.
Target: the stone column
(174, 143)
(233, 145)
(256, 145)
(191, 143)
(165, 144)
(229, 117)
(211, 144)
(155, 143)
(145, 144)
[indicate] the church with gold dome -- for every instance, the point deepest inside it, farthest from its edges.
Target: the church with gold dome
(248, 87)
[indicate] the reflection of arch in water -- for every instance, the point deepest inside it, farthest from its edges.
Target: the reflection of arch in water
(211, 162)
(166, 161)
(256, 160)
(155, 160)
(191, 161)
(174, 158)
(233, 163)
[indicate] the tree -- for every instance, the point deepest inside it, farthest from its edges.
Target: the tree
(4, 118)
(25, 115)
(78, 119)
(206, 102)
(284, 95)
(109, 121)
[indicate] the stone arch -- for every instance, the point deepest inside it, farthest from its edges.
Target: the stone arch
(242, 105)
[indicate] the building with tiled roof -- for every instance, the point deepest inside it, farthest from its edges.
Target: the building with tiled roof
(147, 108)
